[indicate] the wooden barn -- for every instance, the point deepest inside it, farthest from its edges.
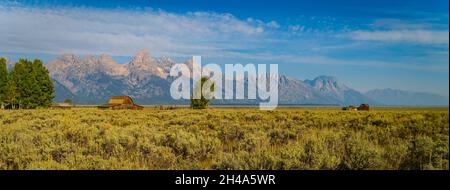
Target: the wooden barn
(364, 107)
(121, 102)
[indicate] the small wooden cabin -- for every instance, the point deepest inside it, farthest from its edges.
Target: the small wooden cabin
(121, 102)
(364, 107)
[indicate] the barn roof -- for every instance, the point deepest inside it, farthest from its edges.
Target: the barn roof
(120, 100)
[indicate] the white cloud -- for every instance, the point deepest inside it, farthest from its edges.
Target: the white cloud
(423, 31)
(123, 32)
(295, 29)
(273, 24)
(414, 36)
(325, 60)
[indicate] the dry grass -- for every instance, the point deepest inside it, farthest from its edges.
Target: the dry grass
(225, 138)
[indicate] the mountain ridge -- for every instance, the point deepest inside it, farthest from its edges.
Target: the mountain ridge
(398, 97)
(93, 79)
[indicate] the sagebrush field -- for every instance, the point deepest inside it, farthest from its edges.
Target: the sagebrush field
(221, 138)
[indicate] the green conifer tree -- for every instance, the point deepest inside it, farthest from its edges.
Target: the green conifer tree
(3, 81)
(12, 93)
(22, 83)
(43, 88)
(30, 85)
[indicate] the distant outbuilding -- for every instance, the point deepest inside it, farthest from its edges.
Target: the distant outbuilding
(121, 102)
(364, 107)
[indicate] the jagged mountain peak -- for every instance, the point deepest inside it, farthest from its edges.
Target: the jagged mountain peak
(166, 61)
(142, 67)
(283, 79)
(143, 52)
(90, 60)
(67, 58)
(105, 58)
(327, 84)
(143, 57)
(326, 78)
(334, 90)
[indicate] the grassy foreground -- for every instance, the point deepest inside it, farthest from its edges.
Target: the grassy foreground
(220, 138)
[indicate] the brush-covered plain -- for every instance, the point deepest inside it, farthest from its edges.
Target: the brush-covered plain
(225, 138)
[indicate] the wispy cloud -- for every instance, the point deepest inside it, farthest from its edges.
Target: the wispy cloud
(296, 29)
(327, 60)
(273, 24)
(423, 30)
(123, 32)
(414, 36)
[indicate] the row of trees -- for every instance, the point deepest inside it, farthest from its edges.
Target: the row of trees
(28, 85)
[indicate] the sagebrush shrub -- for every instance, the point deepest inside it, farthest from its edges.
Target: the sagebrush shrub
(300, 138)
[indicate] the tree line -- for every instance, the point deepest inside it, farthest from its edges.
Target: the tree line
(26, 86)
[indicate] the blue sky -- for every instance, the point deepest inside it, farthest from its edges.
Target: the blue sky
(367, 44)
